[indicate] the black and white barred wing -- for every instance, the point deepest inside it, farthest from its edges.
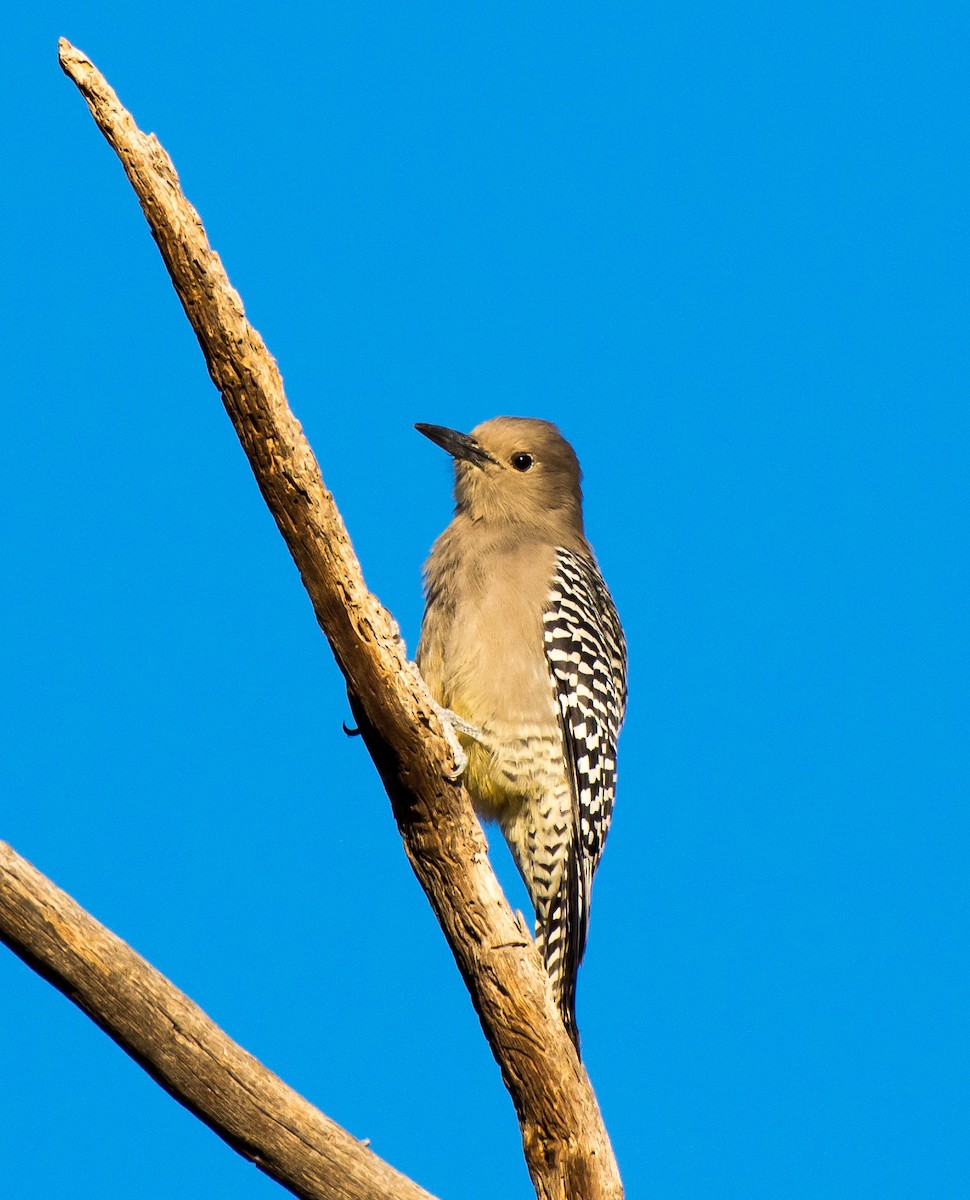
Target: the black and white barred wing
(586, 652)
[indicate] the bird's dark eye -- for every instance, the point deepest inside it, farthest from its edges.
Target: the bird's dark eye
(522, 462)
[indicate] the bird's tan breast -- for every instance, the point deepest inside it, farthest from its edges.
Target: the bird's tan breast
(482, 649)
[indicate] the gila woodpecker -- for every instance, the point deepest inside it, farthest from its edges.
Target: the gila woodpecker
(521, 642)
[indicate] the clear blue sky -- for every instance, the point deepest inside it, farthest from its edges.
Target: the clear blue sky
(725, 247)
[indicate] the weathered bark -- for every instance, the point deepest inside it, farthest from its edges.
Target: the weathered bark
(566, 1145)
(185, 1051)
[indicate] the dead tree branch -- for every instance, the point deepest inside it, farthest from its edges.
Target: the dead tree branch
(183, 1049)
(566, 1145)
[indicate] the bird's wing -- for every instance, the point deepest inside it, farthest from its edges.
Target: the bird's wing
(586, 652)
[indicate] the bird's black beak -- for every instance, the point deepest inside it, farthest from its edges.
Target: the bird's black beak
(458, 445)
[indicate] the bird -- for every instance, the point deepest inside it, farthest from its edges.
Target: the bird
(521, 643)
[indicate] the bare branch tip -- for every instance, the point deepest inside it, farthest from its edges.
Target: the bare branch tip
(68, 55)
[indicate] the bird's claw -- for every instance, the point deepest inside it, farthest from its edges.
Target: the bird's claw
(456, 748)
(451, 725)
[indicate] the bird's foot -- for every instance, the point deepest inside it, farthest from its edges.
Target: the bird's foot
(452, 725)
(460, 725)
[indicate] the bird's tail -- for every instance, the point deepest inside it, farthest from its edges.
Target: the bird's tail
(561, 940)
(545, 848)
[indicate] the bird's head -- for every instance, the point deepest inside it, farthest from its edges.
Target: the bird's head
(513, 469)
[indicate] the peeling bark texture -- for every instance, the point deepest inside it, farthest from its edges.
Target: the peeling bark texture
(184, 1050)
(566, 1145)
